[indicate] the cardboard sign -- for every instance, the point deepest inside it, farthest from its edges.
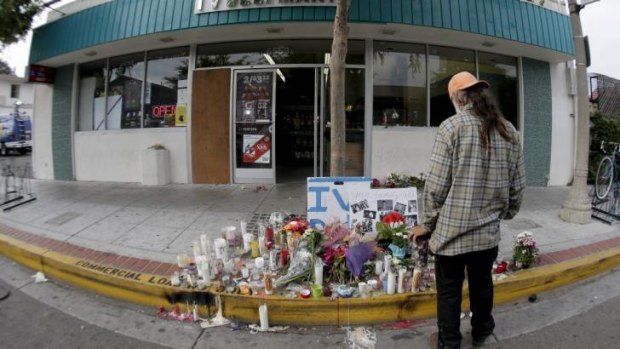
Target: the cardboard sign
(367, 207)
(328, 198)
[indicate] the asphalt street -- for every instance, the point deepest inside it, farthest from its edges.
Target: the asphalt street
(56, 315)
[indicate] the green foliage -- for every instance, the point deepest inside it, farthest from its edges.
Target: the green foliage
(603, 128)
(16, 19)
(395, 180)
(5, 68)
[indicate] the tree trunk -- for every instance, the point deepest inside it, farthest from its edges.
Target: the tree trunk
(337, 70)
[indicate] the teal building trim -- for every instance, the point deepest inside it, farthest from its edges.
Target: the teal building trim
(123, 19)
(537, 121)
(61, 123)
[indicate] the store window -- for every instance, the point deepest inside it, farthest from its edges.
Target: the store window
(399, 84)
(92, 96)
(274, 52)
(501, 72)
(125, 83)
(165, 94)
(443, 62)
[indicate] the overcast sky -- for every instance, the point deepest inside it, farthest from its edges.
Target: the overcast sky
(600, 21)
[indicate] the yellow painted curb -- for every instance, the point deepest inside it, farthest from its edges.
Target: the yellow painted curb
(154, 290)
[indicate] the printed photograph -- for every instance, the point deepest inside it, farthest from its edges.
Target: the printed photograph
(370, 214)
(385, 205)
(413, 206)
(411, 220)
(358, 206)
(400, 208)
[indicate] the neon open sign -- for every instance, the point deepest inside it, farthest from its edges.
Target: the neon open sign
(205, 6)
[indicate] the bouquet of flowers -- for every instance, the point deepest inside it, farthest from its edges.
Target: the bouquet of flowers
(392, 232)
(525, 250)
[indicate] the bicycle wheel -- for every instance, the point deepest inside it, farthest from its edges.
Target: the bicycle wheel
(604, 178)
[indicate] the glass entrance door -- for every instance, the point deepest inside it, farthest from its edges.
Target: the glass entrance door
(296, 124)
(253, 126)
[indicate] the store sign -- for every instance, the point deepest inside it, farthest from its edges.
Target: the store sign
(159, 111)
(206, 6)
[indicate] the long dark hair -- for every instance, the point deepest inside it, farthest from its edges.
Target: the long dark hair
(483, 106)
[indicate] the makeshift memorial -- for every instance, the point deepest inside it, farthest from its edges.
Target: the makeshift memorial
(525, 252)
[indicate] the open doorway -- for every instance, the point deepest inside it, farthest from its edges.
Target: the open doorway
(295, 107)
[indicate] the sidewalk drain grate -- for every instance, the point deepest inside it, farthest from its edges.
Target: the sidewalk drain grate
(63, 218)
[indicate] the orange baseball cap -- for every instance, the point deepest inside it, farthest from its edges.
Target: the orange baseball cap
(464, 80)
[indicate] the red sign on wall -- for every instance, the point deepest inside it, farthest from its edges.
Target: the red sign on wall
(39, 73)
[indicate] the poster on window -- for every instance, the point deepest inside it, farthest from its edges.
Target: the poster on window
(257, 148)
(367, 207)
(254, 97)
(180, 115)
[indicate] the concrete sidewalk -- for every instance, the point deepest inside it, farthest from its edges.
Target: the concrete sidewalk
(140, 228)
(161, 222)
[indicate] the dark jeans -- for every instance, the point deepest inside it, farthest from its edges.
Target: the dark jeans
(449, 275)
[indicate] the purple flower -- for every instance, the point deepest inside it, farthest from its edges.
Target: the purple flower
(356, 257)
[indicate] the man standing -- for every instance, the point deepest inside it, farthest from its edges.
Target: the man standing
(476, 178)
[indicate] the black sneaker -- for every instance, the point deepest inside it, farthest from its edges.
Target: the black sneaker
(479, 342)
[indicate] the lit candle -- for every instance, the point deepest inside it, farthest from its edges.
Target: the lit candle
(391, 282)
(401, 280)
(264, 318)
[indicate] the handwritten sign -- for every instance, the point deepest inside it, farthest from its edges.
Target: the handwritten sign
(367, 207)
(328, 198)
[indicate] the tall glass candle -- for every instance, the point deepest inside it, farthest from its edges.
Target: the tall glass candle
(318, 272)
(401, 280)
(391, 282)
(378, 267)
(263, 316)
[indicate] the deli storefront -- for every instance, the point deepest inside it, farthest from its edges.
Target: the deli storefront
(238, 91)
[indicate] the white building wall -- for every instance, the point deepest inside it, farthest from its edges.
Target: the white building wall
(26, 95)
(563, 126)
(42, 159)
(114, 156)
(402, 150)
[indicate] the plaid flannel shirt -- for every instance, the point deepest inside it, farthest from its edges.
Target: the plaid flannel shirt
(469, 188)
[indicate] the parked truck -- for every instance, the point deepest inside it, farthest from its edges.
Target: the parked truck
(15, 133)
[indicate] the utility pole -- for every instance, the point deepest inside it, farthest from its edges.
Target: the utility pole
(578, 206)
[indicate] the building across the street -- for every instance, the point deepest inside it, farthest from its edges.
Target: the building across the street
(238, 91)
(15, 91)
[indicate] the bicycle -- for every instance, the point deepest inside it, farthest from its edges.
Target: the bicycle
(608, 172)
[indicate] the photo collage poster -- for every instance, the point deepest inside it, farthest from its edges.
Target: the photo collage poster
(367, 207)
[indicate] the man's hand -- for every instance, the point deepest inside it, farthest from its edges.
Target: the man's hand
(417, 231)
